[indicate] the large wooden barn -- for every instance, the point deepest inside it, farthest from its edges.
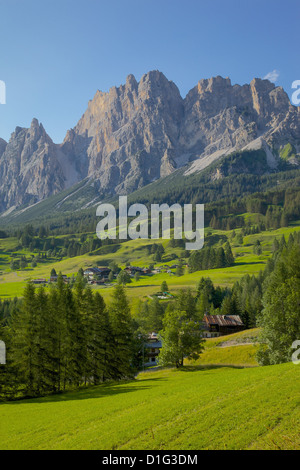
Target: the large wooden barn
(220, 325)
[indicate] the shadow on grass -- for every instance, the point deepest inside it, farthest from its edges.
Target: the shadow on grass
(90, 393)
(244, 263)
(205, 367)
(140, 286)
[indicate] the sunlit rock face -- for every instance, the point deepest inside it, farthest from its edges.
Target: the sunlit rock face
(141, 131)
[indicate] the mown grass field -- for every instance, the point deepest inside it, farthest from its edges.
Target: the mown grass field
(194, 408)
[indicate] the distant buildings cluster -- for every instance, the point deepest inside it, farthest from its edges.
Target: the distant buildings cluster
(100, 275)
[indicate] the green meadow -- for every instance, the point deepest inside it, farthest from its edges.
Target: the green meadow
(238, 349)
(221, 401)
(134, 251)
(198, 407)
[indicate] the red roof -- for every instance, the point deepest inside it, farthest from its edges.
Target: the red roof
(223, 320)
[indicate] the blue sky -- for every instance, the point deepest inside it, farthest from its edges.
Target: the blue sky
(54, 55)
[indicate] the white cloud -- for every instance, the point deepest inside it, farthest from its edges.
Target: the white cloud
(272, 76)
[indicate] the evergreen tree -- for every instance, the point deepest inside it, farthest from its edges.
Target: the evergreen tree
(42, 232)
(101, 348)
(24, 329)
(123, 278)
(220, 258)
(164, 286)
(122, 334)
(155, 316)
(280, 317)
(180, 268)
(275, 246)
(229, 255)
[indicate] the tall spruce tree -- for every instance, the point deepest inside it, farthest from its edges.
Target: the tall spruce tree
(24, 329)
(280, 317)
(101, 350)
(122, 334)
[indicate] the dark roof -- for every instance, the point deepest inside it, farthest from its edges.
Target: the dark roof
(223, 320)
(156, 345)
(97, 270)
(133, 268)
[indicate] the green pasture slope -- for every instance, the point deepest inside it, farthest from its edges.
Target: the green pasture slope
(191, 409)
(238, 350)
(135, 252)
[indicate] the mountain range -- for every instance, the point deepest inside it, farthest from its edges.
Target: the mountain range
(143, 131)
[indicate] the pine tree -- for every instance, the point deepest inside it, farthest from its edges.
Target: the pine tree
(155, 315)
(123, 278)
(220, 258)
(42, 342)
(180, 269)
(24, 329)
(102, 347)
(275, 246)
(122, 334)
(280, 317)
(229, 255)
(164, 286)
(76, 308)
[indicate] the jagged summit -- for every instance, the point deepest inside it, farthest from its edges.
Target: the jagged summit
(140, 131)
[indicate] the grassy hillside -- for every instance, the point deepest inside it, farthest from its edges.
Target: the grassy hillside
(134, 251)
(194, 408)
(238, 350)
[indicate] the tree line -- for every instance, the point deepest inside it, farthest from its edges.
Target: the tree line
(211, 258)
(66, 339)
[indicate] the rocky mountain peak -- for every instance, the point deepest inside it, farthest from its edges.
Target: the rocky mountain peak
(31, 167)
(214, 85)
(155, 84)
(131, 82)
(3, 145)
(140, 131)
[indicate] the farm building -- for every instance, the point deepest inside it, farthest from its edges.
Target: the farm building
(101, 273)
(151, 350)
(146, 271)
(39, 281)
(64, 276)
(220, 325)
(131, 270)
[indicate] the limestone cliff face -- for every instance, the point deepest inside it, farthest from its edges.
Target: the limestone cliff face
(139, 132)
(220, 116)
(31, 167)
(127, 131)
(3, 145)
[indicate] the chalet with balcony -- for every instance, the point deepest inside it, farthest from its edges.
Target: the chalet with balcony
(151, 350)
